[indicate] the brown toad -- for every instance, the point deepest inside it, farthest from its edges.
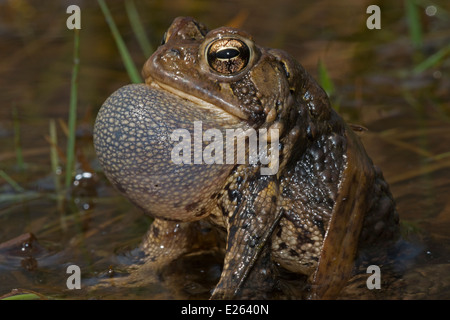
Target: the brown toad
(323, 201)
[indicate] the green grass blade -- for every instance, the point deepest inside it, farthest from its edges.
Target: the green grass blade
(133, 72)
(70, 162)
(17, 146)
(414, 23)
(11, 181)
(23, 296)
(138, 28)
(432, 60)
(324, 79)
(54, 159)
(55, 164)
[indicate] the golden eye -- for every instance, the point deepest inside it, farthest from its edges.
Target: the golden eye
(228, 56)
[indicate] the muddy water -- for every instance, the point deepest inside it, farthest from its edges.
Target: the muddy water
(407, 114)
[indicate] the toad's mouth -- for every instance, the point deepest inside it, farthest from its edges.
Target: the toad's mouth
(223, 108)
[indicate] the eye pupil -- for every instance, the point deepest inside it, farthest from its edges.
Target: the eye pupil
(227, 53)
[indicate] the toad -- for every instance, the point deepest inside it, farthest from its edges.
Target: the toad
(318, 203)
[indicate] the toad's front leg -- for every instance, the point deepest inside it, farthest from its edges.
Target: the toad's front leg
(166, 241)
(250, 226)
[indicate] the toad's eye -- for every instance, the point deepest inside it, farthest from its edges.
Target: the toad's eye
(228, 56)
